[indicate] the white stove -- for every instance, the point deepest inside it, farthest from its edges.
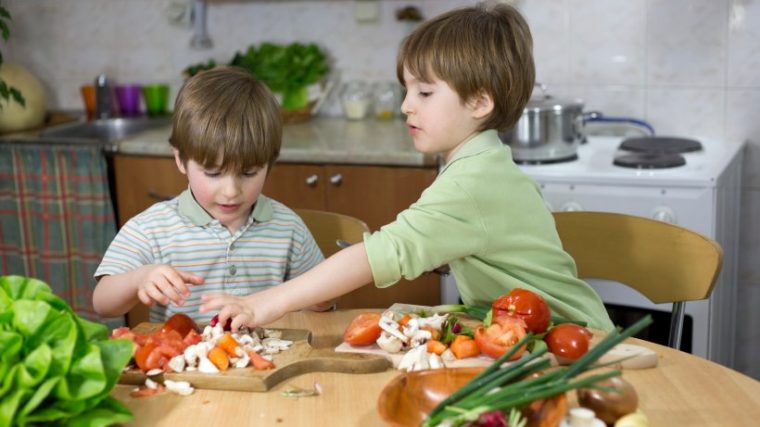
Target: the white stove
(702, 195)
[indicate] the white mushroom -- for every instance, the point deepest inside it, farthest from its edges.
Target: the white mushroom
(412, 358)
(271, 333)
(177, 363)
(420, 337)
(448, 356)
(392, 328)
(435, 321)
(151, 384)
(180, 387)
(242, 361)
(435, 361)
(207, 367)
(389, 343)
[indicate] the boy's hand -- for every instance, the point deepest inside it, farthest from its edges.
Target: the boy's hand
(251, 310)
(159, 283)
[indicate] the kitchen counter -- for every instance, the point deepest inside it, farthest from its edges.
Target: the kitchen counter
(320, 140)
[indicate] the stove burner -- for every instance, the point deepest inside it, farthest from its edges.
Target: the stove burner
(660, 144)
(546, 162)
(651, 160)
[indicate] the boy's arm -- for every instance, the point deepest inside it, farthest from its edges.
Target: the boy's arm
(343, 272)
(116, 294)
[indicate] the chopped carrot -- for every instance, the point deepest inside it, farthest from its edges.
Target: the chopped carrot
(259, 362)
(435, 333)
(464, 346)
(229, 344)
(219, 358)
(404, 320)
(435, 346)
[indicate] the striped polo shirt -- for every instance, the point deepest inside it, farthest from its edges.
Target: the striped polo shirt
(273, 246)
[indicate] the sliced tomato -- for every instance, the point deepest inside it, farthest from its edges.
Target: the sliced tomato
(502, 335)
(180, 323)
(144, 391)
(363, 330)
(259, 362)
(568, 340)
(528, 306)
(191, 338)
(141, 356)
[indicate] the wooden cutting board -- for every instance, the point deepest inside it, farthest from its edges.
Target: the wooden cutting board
(299, 359)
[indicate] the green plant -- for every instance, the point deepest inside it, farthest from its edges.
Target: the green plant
(55, 367)
(286, 69)
(6, 91)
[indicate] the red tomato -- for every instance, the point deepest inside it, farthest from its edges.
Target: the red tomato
(503, 334)
(363, 330)
(141, 356)
(180, 323)
(568, 340)
(527, 305)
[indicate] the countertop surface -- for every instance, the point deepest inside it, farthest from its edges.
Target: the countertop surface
(319, 140)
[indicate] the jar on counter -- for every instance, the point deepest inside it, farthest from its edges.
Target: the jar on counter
(356, 99)
(386, 100)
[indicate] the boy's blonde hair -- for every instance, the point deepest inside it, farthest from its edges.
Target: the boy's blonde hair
(484, 48)
(226, 112)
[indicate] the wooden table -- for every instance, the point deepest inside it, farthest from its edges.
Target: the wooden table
(684, 390)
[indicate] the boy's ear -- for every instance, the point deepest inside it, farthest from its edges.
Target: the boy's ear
(180, 163)
(482, 105)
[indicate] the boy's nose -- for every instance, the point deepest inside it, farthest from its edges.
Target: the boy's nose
(231, 186)
(406, 108)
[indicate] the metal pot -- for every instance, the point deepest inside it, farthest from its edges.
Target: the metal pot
(549, 130)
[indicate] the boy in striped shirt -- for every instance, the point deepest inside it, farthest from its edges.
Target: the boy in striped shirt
(221, 234)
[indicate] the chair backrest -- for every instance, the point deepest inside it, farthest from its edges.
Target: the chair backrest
(329, 227)
(664, 262)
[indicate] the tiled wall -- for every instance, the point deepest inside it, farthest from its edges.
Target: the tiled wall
(690, 67)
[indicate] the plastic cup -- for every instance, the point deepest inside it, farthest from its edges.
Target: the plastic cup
(88, 97)
(129, 99)
(156, 97)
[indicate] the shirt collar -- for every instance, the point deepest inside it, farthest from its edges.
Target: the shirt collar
(483, 141)
(189, 207)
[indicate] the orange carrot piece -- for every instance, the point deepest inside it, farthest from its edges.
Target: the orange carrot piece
(259, 362)
(435, 346)
(219, 358)
(404, 320)
(464, 346)
(229, 344)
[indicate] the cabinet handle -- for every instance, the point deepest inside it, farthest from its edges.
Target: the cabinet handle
(311, 180)
(158, 196)
(336, 179)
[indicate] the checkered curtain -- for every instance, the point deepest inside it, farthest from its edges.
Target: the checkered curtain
(56, 217)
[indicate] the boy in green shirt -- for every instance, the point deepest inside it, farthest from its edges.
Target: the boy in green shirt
(468, 73)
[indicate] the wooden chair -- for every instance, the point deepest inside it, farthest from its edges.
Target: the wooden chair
(664, 262)
(329, 227)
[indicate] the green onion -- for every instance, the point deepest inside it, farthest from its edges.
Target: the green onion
(506, 388)
(557, 320)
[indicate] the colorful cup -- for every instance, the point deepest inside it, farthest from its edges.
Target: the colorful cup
(88, 97)
(156, 97)
(129, 99)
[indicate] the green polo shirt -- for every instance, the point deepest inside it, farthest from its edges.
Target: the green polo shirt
(486, 219)
(273, 246)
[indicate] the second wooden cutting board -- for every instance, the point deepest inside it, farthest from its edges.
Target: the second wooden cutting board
(299, 359)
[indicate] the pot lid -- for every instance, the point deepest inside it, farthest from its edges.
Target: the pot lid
(542, 103)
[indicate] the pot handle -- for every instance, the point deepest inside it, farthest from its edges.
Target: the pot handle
(597, 116)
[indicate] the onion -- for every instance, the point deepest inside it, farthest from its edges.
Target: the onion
(609, 406)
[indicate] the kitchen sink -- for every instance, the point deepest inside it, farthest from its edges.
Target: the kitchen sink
(105, 131)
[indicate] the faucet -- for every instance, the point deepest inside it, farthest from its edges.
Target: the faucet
(103, 98)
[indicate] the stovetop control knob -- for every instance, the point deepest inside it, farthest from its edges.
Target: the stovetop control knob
(571, 207)
(664, 214)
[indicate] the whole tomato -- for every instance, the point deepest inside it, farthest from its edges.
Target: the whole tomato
(526, 305)
(568, 340)
(180, 323)
(363, 330)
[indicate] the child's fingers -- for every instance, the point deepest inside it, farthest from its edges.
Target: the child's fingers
(155, 294)
(215, 301)
(144, 298)
(191, 278)
(169, 290)
(241, 319)
(177, 280)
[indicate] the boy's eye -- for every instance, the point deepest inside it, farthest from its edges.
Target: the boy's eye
(212, 174)
(425, 94)
(251, 173)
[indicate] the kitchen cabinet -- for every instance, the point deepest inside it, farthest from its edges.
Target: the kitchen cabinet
(374, 194)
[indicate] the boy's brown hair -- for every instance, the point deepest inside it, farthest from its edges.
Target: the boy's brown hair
(484, 48)
(226, 112)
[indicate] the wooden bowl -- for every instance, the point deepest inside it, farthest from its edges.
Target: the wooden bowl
(408, 398)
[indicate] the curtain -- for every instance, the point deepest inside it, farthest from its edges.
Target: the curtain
(56, 217)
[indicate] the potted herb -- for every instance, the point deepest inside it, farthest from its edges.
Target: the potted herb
(6, 91)
(288, 70)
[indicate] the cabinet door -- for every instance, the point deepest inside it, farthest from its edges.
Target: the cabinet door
(143, 181)
(297, 185)
(376, 195)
